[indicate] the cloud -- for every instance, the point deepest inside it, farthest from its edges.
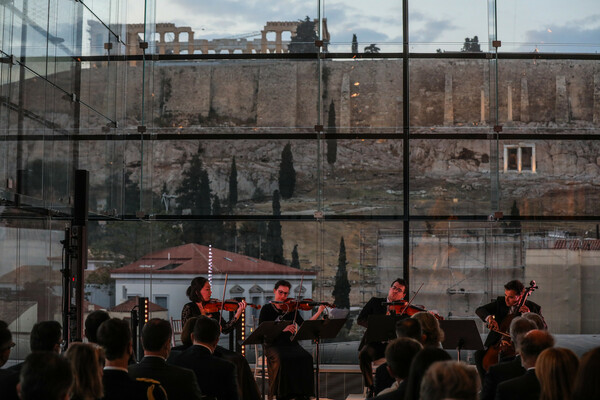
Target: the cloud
(578, 36)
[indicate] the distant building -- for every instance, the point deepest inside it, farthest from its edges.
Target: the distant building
(165, 275)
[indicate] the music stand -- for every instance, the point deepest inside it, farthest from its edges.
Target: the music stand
(268, 331)
(381, 328)
(461, 334)
(317, 330)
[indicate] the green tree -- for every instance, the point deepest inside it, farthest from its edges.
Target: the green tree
(274, 251)
(331, 142)
(372, 48)
(304, 39)
(341, 289)
(252, 239)
(216, 228)
(354, 44)
(233, 188)
(295, 259)
(287, 173)
(514, 226)
(471, 45)
(194, 194)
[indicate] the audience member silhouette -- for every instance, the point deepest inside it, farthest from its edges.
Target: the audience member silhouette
(526, 387)
(587, 384)
(419, 366)
(216, 376)
(92, 323)
(399, 354)
(45, 375)
(179, 383)
(556, 369)
(450, 380)
(87, 361)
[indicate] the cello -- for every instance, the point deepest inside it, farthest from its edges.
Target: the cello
(504, 347)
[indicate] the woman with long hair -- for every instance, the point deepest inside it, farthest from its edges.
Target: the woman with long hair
(87, 361)
(556, 369)
(587, 384)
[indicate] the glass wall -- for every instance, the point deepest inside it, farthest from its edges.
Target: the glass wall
(264, 142)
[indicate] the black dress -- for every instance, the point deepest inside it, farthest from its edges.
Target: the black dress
(290, 366)
(246, 383)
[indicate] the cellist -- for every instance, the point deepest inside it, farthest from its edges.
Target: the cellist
(498, 314)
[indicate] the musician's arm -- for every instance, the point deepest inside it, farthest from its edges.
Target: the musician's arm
(367, 310)
(319, 312)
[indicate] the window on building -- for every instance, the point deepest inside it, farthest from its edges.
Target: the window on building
(519, 157)
(162, 301)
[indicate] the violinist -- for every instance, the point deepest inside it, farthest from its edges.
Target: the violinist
(369, 352)
(498, 314)
(290, 366)
(199, 292)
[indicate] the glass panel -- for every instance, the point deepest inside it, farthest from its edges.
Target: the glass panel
(450, 177)
(547, 26)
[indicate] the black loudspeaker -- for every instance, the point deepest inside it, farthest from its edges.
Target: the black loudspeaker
(81, 200)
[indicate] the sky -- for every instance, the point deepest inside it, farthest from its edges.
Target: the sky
(523, 25)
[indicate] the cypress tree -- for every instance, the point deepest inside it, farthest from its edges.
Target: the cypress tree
(274, 251)
(287, 173)
(341, 289)
(233, 189)
(295, 260)
(331, 142)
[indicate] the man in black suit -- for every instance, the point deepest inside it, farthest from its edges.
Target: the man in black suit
(494, 314)
(45, 336)
(508, 369)
(526, 387)
(216, 377)
(179, 383)
(114, 336)
(369, 352)
(45, 375)
(399, 355)
(92, 323)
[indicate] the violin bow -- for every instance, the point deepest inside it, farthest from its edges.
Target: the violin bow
(297, 303)
(411, 300)
(223, 301)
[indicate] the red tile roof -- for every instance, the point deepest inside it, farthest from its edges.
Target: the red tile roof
(129, 304)
(193, 259)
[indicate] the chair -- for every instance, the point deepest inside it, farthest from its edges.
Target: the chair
(176, 328)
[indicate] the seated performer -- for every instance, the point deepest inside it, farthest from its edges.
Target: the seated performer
(290, 366)
(499, 313)
(199, 292)
(369, 352)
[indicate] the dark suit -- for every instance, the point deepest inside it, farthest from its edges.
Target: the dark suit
(8, 382)
(499, 373)
(500, 310)
(179, 383)
(525, 387)
(216, 377)
(118, 385)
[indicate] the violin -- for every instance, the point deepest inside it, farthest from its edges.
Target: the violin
(403, 307)
(303, 304)
(215, 305)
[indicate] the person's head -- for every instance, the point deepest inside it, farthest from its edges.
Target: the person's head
(556, 369)
(587, 384)
(410, 328)
(519, 326)
(450, 380)
(432, 334)
(156, 336)
(419, 365)
(206, 332)
(114, 336)
(399, 354)
(187, 330)
(512, 292)
(281, 290)
(199, 290)
(87, 361)
(93, 322)
(397, 290)
(45, 375)
(45, 336)
(6, 343)
(536, 319)
(533, 343)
